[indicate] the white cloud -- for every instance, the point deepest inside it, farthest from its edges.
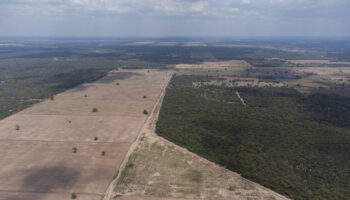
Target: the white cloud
(229, 13)
(188, 8)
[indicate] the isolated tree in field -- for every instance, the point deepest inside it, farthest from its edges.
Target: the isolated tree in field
(144, 97)
(94, 110)
(103, 153)
(17, 127)
(52, 98)
(74, 195)
(117, 83)
(74, 149)
(95, 138)
(145, 112)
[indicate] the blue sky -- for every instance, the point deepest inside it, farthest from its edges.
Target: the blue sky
(174, 18)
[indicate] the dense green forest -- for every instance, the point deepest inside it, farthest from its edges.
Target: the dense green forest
(293, 143)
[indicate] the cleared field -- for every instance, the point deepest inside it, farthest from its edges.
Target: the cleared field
(60, 147)
(194, 44)
(106, 128)
(166, 44)
(322, 70)
(317, 62)
(141, 43)
(216, 65)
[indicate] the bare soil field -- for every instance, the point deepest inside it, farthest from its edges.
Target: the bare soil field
(322, 70)
(320, 77)
(194, 44)
(156, 169)
(60, 147)
(317, 62)
(216, 65)
(140, 43)
(166, 44)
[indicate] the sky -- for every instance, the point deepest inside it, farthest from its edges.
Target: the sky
(175, 18)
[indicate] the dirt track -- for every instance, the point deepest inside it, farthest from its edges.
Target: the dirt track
(37, 161)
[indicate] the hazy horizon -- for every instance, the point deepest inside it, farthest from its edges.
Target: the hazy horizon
(177, 18)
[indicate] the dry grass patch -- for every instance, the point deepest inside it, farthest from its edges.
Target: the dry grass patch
(217, 65)
(160, 170)
(194, 44)
(317, 62)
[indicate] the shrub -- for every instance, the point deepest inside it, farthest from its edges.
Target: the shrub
(103, 153)
(144, 97)
(145, 112)
(96, 138)
(94, 110)
(17, 127)
(74, 195)
(52, 98)
(74, 149)
(117, 83)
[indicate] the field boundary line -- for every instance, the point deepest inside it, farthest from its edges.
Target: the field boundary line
(58, 141)
(39, 192)
(126, 115)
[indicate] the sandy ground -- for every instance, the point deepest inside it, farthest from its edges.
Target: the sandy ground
(140, 43)
(156, 169)
(38, 161)
(231, 64)
(194, 44)
(317, 62)
(322, 70)
(241, 99)
(166, 44)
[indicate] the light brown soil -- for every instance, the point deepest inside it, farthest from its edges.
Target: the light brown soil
(140, 43)
(317, 62)
(166, 44)
(37, 161)
(194, 44)
(231, 64)
(241, 99)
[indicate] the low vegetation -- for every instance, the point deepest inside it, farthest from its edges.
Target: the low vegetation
(157, 169)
